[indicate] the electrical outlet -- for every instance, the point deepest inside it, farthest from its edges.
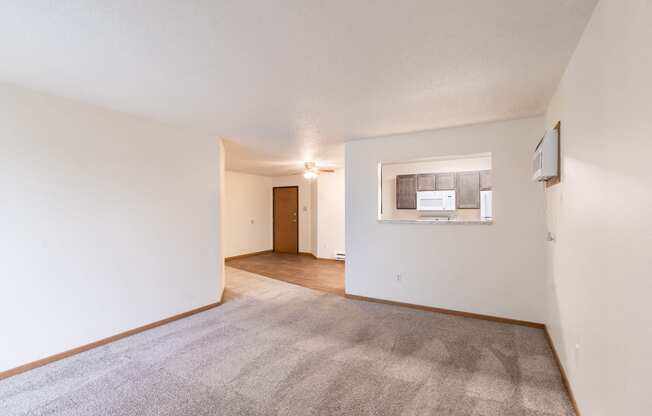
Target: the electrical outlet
(399, 277)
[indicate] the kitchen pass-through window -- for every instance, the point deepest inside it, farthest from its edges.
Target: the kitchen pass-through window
(444, 188)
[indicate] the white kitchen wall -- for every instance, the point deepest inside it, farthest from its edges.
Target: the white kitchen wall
(330, 212)
(248, 209)
(495, 269)
(599, 311)
(305, 207)
(108, 222)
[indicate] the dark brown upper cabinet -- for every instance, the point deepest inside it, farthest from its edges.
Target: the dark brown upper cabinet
(468, 190)
(426, 182)
(406, 191)
(445, 181)
(485, 180)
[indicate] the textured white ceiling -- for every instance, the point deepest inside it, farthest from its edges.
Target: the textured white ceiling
(290, 80)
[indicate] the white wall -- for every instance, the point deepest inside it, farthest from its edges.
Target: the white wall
(108, 222)
(314, 218)
(600, 267)
(305, 207)
(390, 170)
(248, 213)
(489, 269)
(220, 172)
(330, 213)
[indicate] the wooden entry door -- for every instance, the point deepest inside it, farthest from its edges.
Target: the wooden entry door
(286, 219)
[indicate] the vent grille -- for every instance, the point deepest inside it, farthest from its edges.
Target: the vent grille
(538, 161)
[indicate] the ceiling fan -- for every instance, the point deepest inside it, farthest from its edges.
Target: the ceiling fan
(311, 170)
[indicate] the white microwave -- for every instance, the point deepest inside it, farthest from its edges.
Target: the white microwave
(436, 201)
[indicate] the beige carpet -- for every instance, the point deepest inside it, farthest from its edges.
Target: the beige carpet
(278, 349)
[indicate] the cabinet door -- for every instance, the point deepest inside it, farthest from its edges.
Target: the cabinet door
(485, 180)
(468, 190)
(445, 181)
(406, 191)
(426, 182)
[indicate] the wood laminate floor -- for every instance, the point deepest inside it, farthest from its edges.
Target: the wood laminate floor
(302, 270)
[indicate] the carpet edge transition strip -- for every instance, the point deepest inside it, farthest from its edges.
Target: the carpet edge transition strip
(69, 353)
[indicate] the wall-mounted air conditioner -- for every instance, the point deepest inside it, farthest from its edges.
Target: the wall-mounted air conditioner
(546, 157)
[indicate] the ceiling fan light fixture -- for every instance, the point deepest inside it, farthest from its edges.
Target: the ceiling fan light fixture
(309, 174)
(311, 170)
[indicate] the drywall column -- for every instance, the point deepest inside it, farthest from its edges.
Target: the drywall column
(330, 214)
(314, 218)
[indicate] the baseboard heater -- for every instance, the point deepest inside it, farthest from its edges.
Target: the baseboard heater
(339, 255)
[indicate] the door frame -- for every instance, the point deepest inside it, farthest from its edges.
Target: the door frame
(274, 215)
